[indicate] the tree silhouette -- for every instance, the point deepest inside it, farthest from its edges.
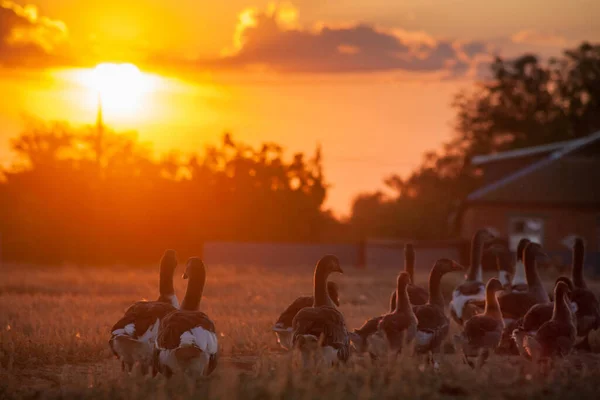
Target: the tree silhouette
(75, 198)
(525, 103)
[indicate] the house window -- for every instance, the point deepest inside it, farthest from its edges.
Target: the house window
(531, 228)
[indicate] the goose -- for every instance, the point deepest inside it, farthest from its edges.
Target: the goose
(536, 317)
(432, 323)
(587, 305)
(132, 337)
(283, 326)
(187, 339)
(321, 327)
(416, 294)
(557, 336)
(472, 289)
(514, 305)
(483, 332)
(399, 326)
(362, 338)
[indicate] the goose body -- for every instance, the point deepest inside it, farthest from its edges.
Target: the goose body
(472, 289)
(557, 336)
(535, 318)
(484, 331)
(432, 322)
(132, 337)
(187, 340)
(283, 327)
(320, 330)
(399, 327)
(516, 304)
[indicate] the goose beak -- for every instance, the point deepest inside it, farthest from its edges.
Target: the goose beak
(457, 267)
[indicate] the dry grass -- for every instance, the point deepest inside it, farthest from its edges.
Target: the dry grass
(54, 325)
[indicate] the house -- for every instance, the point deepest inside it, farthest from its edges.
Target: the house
(545, 193)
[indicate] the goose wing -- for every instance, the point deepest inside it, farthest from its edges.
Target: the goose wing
(287, 316)
(178, 323)
(432, 325)
(325, 323)
(142, 315)
(516, 304)
(537, 316)
(482, 330)
(556, 337)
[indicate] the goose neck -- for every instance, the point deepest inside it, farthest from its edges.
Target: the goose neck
(193, 293)
(474, 273)
(435, 291)
(321, 297)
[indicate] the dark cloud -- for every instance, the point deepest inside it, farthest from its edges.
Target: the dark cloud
(28, 39)
(266, 39)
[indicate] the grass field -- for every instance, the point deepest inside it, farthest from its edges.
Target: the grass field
(55, 322)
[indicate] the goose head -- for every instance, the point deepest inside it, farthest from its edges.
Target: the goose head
(329, 264)
(493, 285)
(445, 265)
(194, 267)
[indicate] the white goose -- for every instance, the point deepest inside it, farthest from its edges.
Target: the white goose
(187, 340)
(132, 337)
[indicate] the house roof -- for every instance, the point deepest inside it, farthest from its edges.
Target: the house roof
(551, 180)
(518, 153)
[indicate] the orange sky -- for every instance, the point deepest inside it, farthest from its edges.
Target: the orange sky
(371, 80)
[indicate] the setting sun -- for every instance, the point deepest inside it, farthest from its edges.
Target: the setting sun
(120, 87)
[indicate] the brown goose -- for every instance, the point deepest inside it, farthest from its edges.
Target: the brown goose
(132, 337)
(321, 326)
(416, 294)
(362, 336)
(400, 326)
(557, 336)
(536, 317)
(587, 305)
(432, 323)
(483, 332)
(187, 340)
(472, 289)
(283, 326)
(514, 305)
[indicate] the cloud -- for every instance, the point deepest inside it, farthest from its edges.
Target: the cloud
(28, 39)
(273, 39)
(532, 37)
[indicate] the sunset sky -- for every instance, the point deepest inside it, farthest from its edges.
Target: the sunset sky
(370, 80)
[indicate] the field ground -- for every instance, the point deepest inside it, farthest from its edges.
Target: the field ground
(55, 322)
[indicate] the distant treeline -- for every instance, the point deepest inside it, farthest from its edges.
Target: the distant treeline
(91, 195)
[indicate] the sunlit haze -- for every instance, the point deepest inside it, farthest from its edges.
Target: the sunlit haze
(372, 82)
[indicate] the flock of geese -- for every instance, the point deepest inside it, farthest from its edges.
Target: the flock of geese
(510, 314)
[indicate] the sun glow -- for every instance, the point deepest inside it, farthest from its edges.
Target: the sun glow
(122, 88)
